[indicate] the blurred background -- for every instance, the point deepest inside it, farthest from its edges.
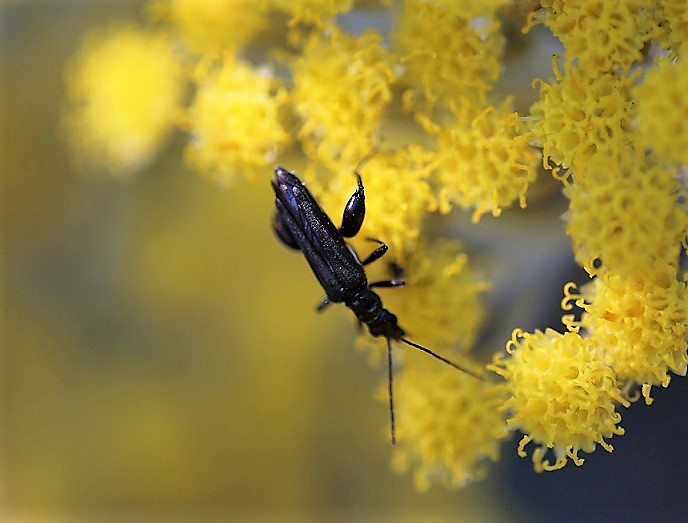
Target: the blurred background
(161, 357)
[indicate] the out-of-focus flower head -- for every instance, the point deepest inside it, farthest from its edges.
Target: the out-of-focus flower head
(450, 50)
(341, 87)
(562, 395)
(124, 88)
(484, 159)
(212, 26)
(663, 109)
(627, 217)
(449, 425)
(318, 12)
(234, 121)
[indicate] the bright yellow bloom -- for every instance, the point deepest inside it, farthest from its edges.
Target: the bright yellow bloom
(484, 160)
(440, 304)
(450, 50)
(626, 217)
(662, 101)
(640, 322)
(234, 122)
(562, 395)
(599, 35)
(123, 88)
(448, 425)
(341, 87)
(581, 115)
(212, 26)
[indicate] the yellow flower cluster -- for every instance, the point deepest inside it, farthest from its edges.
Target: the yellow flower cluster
(484, 160)
(663, 110)
(124, 89)
(448, 426)
(582, 115)
(234, 121)
(440, 303)
(312, 11)
(625, 217)
(641, 322)
(340, 105)
(450, 50)
(212, 26)
(599, 35)
(561, 395)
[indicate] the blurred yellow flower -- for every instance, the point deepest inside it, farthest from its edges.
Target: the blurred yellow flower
(484, 159)
(672, 23)
(123, 88)
(312, 11)
(449, 425)
(341, 87)
(212, 26)
(562, 395)
(440, 304)
(663, 110)
(626, 217)
(451, 50)
(234, 122)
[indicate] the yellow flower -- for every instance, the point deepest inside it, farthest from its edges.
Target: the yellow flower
(451, 50)
(440, 304)
(626, 217)
(341, 87)
(672, 24)
(398, 196)
(448, 425)
(123, 90)
(317, 12)
(212, 26)
(234, 122)
(562, 395)
(583, 115)
(484, 160)
(662, 101)
(641, 323)
(599, 35)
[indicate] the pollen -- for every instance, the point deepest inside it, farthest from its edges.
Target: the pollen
(580, 115)
(123, 88)
(563, 396)
(662, 101)
(341, 87)
(449, 426)
(211, 26)
(234, 122)
(627, 217)
(485, 162)
(450, 50)
(641, 322)
(600, 35)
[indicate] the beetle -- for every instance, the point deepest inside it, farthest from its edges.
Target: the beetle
(300, 223)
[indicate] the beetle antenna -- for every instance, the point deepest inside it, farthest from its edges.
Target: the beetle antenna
(445, 360)
(390, 379)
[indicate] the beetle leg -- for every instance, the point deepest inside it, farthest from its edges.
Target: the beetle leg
(283, 233)
(323, 304)
(387, 283)
(354, 212)
(377, 253)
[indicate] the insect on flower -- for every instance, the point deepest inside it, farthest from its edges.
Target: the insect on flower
(300, 223)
